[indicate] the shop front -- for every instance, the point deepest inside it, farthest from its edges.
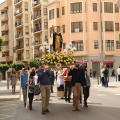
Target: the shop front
(84, 62)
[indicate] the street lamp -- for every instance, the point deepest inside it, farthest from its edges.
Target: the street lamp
(45, 48)
(70, 49)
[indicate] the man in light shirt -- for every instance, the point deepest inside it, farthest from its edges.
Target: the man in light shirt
(118, 72)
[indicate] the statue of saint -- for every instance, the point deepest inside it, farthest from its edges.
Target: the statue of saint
(57, 40)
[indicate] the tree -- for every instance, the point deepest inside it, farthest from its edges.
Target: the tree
(1, 43)
(34, 62)
(4, 67)
(18, 65)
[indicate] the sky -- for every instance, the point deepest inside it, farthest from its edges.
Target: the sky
(1, 1)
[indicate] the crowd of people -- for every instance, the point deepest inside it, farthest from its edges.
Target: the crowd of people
(68, 80)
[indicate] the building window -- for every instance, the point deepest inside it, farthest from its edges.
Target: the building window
(78, 45)
(26, 30)
(116, 8)
(51, 48)
(95, 7)
(51, 14)
(51, 32)
(76, 7)
(27, 41)
(63, 28)
(63, 10)
(108, 7)
(64, 46)
(27, 54)
(109, 45)
(46, 38)
(76, 26)
(46, 25)
(95, 26)
(26, 6)
(45, 11)
(26, 18)
(117, 45)
(117, 26)
(109, 26)
(58, 13)
(95, 44)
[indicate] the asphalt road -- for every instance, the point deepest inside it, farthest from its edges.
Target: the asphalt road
(104, 103)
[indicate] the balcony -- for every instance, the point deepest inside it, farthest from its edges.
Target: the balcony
(17, 12)
(37, 42)
(4, 17)
(19, 58)
(18, 36)
(18, 23)
(18, 47)
(36, 4)
(36, 16)
(17, 1)
(5, 37)
(37, 29)
(4, 27)
(37, 55)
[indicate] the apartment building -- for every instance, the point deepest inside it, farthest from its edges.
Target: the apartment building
(39, 26)
(80, 23)
(6, 32)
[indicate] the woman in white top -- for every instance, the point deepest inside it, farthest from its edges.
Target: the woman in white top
(60, 83)
(35, 78)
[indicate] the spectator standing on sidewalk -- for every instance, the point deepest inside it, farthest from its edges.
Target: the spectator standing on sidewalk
(102, 76)
(76, 82)
(118, 73)
(14, 78)
(106, 73)
(32, 73)
(86, 88)
(90, 73)
(24, 79)
(44, 75)
(52, 78)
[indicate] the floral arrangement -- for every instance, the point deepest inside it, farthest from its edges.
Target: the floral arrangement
(55, 58)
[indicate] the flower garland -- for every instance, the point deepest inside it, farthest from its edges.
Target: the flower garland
(54, 58)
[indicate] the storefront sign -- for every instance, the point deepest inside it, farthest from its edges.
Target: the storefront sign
(108, 61)
(96, 60)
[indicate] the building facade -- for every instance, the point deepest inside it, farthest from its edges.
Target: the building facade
(80, 22)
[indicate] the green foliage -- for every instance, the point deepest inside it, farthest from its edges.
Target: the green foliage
(4, 67)
(34, 62)
(1, 43)
(18, 65)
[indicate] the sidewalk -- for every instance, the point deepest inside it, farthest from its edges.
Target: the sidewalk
(7, 95)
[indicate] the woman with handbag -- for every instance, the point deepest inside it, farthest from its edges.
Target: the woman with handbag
(37, 92)
(13, 80)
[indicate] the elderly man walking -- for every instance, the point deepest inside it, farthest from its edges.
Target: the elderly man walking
(44, 75)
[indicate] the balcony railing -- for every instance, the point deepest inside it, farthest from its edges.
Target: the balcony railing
(37, 55)
(18, 23)
(17, 1)
(35, 16)
(19, 47)
(36, 3)
(36, 29)
(19, 58)
(19, 35)
(37, 42)
(18, 11)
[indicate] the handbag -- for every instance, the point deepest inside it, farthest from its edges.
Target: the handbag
(37, 90)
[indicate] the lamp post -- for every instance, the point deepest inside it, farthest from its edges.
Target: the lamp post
(44, 48)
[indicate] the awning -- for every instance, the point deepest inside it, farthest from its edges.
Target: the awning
(82, 61)
(108, 61)
(96, 61)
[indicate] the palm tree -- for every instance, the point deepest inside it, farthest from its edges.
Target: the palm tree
(1, 44)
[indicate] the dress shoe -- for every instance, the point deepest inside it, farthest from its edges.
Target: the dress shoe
(47, 111)
(43, 112)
